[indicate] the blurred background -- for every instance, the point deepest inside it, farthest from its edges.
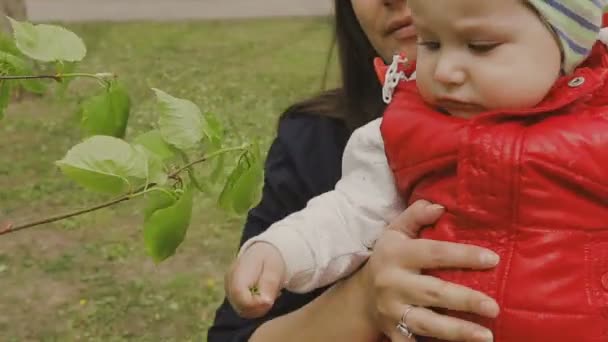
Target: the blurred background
(88, 278)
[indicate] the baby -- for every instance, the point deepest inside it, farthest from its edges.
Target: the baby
(506, 126)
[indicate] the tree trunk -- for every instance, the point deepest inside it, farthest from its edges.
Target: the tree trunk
(13, 8)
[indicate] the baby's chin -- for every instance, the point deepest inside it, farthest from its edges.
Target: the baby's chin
(465, 110)
(464, 113)
(470, 111)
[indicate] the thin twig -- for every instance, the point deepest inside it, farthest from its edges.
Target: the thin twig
(101, 78)
(30, 77)
(10, 228)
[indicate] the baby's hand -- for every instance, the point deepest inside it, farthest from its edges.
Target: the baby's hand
(255, 280)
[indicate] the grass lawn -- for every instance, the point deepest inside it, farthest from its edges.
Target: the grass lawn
(88, 278)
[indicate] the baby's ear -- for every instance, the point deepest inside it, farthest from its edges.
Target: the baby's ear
(380, 68)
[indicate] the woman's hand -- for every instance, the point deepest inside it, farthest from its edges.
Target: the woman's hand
(394, 283)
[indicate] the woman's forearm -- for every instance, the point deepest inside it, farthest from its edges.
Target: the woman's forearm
(339, 314)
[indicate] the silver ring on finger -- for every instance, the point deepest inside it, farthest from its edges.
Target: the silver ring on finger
(402, 325)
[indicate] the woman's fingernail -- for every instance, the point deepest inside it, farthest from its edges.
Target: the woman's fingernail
(436, 207)
(489, 308)
(484, 336)
(490, 258)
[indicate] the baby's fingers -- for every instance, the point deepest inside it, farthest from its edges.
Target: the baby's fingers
(242, 289)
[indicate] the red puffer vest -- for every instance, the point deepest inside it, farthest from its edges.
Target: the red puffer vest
(532, 185)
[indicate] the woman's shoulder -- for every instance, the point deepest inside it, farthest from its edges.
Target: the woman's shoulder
(315, 122)
(308, 151)
(299, 128)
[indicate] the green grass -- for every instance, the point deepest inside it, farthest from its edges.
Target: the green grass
(88, 278)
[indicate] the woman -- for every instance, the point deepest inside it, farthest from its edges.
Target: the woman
(305, 160)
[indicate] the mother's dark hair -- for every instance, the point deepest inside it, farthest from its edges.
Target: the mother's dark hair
(359, 98)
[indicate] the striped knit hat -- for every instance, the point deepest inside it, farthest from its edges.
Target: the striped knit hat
(576, 24)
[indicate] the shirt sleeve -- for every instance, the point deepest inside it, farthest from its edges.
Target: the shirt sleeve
(334, 234)
(303, 161)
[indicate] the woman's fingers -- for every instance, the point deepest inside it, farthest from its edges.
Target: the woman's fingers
(395, 279)
(394, 248)
(431, 254)
(433, 292)
(411, 288)
(415, 217)
(425, 322)
(396, 336)
(403, 333)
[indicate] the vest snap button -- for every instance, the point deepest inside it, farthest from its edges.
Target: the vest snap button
(575, 82)
(605, 281)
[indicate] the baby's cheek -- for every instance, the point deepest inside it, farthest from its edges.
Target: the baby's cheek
(424, 83)
(516, 92)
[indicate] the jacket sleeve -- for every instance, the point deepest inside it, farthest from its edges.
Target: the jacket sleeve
(334, 234)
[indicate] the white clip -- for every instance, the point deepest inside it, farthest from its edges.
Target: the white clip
(392, 78)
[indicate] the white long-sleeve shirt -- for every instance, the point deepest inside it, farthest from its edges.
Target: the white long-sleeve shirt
(334, 234)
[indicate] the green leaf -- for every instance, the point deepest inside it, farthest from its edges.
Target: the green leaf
(48, 43)
(154, 142)
(9, 65)
(105, 164)
(166, 223)
(156, 168)
(213, 129)
(106, 113)
(180, 122)
(218, 170)
(7, 44)
(247, 189)
(5, 96)
(35, 86)
(243, 186)
(62, 67)
(12, 65)
(159, 198)
(225, 198)
(202, 187)
(158, 152)
(256, 153)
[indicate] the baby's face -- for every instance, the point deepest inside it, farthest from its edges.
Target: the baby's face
(480, 55)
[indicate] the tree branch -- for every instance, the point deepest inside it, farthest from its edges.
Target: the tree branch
(9, 227)
(30, 77)
(100, 77)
